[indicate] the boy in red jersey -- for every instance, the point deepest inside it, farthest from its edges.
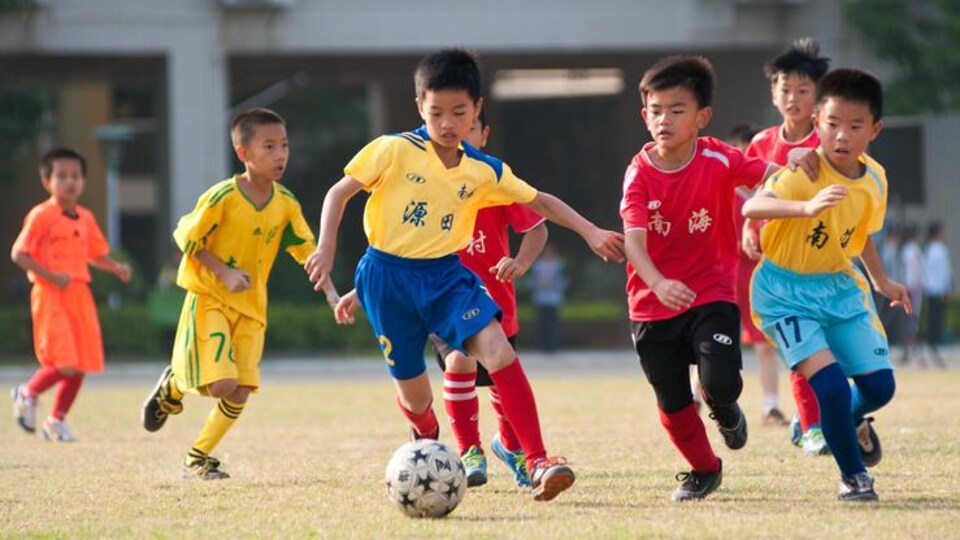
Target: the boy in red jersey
(681, 244)
(793, 77)
(59, 240)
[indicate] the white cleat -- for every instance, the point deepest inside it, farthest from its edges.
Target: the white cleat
(24, 409)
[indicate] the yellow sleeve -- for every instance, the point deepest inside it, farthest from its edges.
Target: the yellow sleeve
(368, 166)
(877, 174)
(297, 237)
(194, 229)
(783, 184)
(509, 189)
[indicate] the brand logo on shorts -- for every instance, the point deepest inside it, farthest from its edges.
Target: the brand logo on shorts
(880, 351)
(723, 339)
(416, 178)
(471, 314)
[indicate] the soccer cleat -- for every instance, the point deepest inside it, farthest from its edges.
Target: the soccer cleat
(858, 487)
(515, 461)
(160, 405)
(775, 418)
(24, 409)
(549, 477)
(735, 433)
(694, 485)
(796, 432)
(476, 465)
(56, 430)
(814, 444)
(870, 450)
(203, 468)
(414, 436)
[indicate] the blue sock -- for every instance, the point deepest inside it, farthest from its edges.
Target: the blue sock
(833, 392)
(870, 392)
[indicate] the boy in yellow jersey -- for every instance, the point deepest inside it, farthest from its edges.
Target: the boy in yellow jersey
(806, 294)
(425, 191)
(230, 242)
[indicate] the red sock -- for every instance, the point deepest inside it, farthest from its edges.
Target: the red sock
(463, 407)
(44, 378)
(808, 409)
(516, 398)
(66, 395)
(424, 423)
(507, 435)
(687, 433)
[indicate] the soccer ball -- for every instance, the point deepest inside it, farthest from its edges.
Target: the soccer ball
(426, 479)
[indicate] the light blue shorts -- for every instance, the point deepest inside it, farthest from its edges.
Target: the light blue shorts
(806, 313)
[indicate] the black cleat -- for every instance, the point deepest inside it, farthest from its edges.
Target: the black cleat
(734, 430)
(869, 443)
(857, 488)
(203, 468)
(160, 405)
(695, 486)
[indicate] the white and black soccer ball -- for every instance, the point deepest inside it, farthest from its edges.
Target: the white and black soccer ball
(425, 478)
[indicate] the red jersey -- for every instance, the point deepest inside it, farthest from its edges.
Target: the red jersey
(688, 217)
(770, 145)
(490, 243)
(61, 242)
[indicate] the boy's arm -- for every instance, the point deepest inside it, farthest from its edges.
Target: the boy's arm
(766, 205)
(234, 279)
(606, 244)
(671, 293)
(512, 268)
(29, 264)
(881, 282)
(320, 263)
(119, 269)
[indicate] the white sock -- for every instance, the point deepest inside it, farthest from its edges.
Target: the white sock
(770, 402)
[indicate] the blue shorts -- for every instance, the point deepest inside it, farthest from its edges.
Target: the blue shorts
(407, 299)
(806, 313)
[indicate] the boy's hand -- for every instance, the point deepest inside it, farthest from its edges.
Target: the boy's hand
(318, 267)
(346, 307)
(61, 279)
(750, 242)
(674, 294)
(123, 272)
(827, 197)
(897, 293)
(608, 245)
(235, 280)
(508, 269)
(806, 159)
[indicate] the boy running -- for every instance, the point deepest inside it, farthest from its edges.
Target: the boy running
(807, 295)
(425, 190)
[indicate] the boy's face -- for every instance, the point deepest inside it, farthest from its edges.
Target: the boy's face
(673, 117)
(449, 115)
(478, 135)
(66, 180)
(267, 152)
(794, 96)
(845, 128)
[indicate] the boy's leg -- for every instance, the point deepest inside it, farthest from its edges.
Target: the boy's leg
(66, 394)
(715, 339)
(459, 394)
(415, 399)
(807, 408)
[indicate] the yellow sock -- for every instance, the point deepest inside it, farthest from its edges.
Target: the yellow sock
(173, 389)
(219, 421)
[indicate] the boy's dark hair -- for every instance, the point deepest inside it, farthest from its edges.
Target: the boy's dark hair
(61, 152)
(449, 69)
(695, 73)
(934, 230)
(744, 133)
(852, 85)
(244, 125)
(483, 117)
(803, 58)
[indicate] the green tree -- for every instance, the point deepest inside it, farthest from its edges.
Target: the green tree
(921, 38)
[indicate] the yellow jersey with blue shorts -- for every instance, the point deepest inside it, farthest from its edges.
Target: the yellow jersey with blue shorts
(806, 294)
(220, 334)
(419, 214)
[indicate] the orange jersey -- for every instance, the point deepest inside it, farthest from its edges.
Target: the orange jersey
(60, 242)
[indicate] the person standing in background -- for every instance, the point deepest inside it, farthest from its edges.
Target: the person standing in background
(937, 285)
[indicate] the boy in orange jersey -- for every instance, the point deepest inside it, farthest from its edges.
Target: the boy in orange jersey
(59, 240)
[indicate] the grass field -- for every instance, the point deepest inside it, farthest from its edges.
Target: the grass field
(308, 458)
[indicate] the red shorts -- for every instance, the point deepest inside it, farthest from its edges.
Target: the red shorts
(66, 331)
(749, 333)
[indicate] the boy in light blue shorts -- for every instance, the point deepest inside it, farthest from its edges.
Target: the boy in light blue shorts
(808, 296)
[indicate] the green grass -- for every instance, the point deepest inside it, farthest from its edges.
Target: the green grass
(308, 459)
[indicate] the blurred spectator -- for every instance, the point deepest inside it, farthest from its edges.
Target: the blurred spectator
(912, 259)
(937, 285)
(549, 284)
(889, 250)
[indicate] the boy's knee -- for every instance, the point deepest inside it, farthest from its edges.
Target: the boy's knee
(240, 394)
(457, 362)
(830, 384)
(222, 388)
(880, 386)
